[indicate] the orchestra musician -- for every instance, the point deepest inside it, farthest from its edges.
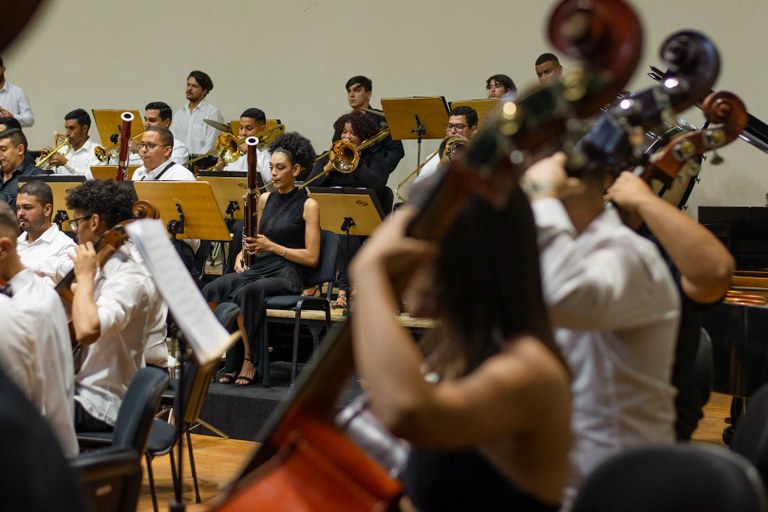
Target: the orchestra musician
(13, 101)
(41, 362)
(354, 127)
(6, 123)
(188, 122)
(615, 310)
(359, 89)
(499, 85)
(461, 121)
(158, 113)
(548, 68)
(13, 148)
(156, 152)
(252, 121)
(288, 239)
(79, 155)
(42, 247)
(116, 307)
(487, 408)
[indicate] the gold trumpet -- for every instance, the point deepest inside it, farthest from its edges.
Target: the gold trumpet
(64, 143)
(103, 154)
(446, 150)
(346, 156)
(228, 146)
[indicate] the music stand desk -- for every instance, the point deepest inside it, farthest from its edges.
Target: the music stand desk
(108, 123)
(228, 187)
(406, 115)
(483, 107)
(195, 199)
(109, 172)
(338, 204)
(60, 186)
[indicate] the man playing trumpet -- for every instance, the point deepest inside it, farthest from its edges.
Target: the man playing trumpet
(78, 155)
(252, 121)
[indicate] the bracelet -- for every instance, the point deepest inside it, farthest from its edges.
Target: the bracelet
(285, 251)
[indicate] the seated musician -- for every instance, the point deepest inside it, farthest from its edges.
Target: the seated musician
(461, 121)
(156, 150)
(158, 113)
(79, 155)
(613, 302)
(116, 306)
(288, 239)
(703, 276)
(6, 123)
(370, 173)
(40, 362)
(548, 68)
(489, 426)
(500, 85)
(188, 122)
(42, 247)
(13, 147)
(252, 121)
(359, 89)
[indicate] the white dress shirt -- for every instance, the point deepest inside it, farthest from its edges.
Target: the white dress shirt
(127, 303)
(616, 311)
(180, 154)
(79, 162)
(190, 128)
(428, 169)
(14, 100)
(175, 172)
(262, 164)
(51, 383)
(48, 255)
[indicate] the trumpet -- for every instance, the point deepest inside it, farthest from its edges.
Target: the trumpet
(447, 151)
(346, 156)
(228, 146)
(64, 143)
(103, 154)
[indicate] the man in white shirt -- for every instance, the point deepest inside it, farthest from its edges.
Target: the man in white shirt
(461, 121)
(615, 309)
(155, 150)
(42, 247)
(41, 364)
(159, 113)
(80, 155)
(252, 121)
(188, 123)
(115, 307)
(13, 101)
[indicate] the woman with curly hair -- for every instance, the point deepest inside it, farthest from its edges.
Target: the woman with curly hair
(288, 241)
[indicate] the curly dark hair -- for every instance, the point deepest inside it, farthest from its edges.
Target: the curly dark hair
(362, 125)
(297, 148)
(112, 201)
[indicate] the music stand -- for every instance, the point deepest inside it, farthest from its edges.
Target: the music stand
(228, 187)
(60, 186)
(109, 123)
(416, 118)
(109, 172)
(482, 107)
(188, 208)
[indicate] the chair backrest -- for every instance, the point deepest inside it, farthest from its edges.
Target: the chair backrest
(110, 478)
(672, 478)
(750, 438)
(138, 408)
(196, 382)
(325, 270)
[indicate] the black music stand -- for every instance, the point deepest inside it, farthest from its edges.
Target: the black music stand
(229, 187)
(60, 186)
(109, 123)
(416, 118)
(482, 107)
(347, 211)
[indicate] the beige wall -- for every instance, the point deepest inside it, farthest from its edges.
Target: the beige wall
(292, 57)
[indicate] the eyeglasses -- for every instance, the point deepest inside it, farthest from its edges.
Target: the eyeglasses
(74, 222)
(149, 146)
(451, 127)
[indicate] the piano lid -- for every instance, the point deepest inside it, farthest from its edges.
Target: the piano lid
(743, 230)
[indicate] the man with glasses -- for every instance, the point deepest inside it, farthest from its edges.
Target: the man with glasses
(462, 121)
(116, 308)
(155, 150)
(158, 113)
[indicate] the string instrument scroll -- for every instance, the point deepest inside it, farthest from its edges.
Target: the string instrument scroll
(605, 34)
(251, 200)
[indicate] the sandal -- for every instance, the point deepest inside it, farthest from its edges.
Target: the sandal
(227, 378)
(341, 300)
(312, 291)
(246, 376)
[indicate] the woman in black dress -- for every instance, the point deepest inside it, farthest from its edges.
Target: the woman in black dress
(288, 241)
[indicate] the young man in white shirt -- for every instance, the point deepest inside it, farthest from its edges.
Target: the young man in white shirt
(42, 247)
(159, 113)
(40, 363)
(13, 101)
(188, 121)
(252, 121)
(462, 121)
(115, 308)
(80, 155)
(155, 150)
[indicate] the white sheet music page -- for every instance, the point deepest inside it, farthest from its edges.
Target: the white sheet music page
(205, 334)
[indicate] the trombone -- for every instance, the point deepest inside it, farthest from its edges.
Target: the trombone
(446, 150)
(103, 154)
(346, 156)
(228, 146)
(64, 143)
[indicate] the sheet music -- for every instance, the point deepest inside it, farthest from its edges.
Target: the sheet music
(205, 334)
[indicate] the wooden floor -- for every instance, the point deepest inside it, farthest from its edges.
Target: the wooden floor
(219, 460)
